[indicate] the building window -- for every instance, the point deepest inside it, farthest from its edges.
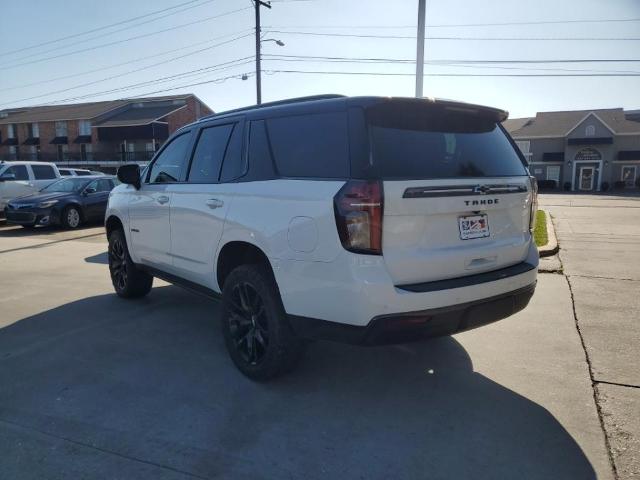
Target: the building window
(34, 152)
(629, 175)
(553, 173)
(63, 150)
(588, 154)
(84, 127)
(589, 131)
(525, 148)
(14, 152)
(85, 151)
(11, 131)
(61, 129)
(34, 130)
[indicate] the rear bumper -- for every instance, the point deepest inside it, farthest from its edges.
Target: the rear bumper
(415, 326)
(354, 289)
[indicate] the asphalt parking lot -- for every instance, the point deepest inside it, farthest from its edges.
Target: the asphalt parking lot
(92, 386)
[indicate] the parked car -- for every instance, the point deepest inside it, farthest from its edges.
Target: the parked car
(365, 220)
(75, 172)
(68, 202)
(23, 178)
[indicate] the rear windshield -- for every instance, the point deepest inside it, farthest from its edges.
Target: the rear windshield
(415, 142)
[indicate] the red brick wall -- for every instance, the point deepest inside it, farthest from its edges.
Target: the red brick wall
(187, 114)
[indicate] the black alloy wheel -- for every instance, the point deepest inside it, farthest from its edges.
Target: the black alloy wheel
(256, 330)
(128, 280)
(248, 324)
(118, 264)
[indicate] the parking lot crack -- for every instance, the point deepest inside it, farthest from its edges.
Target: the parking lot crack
(594, 383)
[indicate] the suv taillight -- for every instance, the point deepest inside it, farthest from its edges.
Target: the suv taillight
(358, 208)
(534, 203)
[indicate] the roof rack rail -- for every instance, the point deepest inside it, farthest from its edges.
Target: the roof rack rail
(278, 102)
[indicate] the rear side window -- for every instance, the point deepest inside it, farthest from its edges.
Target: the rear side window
(210, 150)
(314, 145)
(43, 172)
(20, 172)
(234, 165)
(170, 164)
(418, 143)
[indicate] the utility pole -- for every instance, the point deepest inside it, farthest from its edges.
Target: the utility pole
(258, 4)
(420, 48)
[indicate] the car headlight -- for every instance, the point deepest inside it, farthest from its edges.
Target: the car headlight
(47, 204)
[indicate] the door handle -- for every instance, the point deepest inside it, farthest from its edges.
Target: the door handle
(162, 199)
(214, 203)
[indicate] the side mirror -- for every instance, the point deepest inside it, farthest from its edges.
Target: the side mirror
(87, 191)
(130, 174)
(7, 177)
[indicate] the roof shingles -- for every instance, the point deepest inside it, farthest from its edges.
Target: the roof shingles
(559, 124)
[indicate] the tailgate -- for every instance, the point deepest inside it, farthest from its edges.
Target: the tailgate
(423, 239)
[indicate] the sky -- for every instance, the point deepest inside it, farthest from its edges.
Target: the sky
(38, 66)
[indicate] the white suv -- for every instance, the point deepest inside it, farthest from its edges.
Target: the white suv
(24, 178)
(366, 220)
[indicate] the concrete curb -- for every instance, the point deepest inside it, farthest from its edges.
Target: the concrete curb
(551, 248)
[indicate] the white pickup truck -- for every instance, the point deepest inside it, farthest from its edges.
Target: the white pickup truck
(23, 178)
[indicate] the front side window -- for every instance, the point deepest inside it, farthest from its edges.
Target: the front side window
(209, 153)
(170, 165)
(315, 145)
(68, 185)
(19, 171)
(61, 129)
(101, 185)
(43, 172)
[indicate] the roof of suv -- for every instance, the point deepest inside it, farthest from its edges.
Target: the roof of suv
(326, 101)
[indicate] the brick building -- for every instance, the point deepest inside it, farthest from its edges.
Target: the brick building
(98, 134)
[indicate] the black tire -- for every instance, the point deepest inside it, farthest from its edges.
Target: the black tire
(128, 280)
(257, 334)
(71, 217)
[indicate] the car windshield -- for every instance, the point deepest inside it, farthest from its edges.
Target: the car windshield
(67, 185)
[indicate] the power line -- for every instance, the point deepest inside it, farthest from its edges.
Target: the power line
(137, 25)
(318, 59)
(163, 62)
(204, 70)
(324, 72)
(98, 28)
(128, 62)
(6, 67)
(447, 61)
(410, 37)
(446, 25)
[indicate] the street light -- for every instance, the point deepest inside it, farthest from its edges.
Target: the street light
(259, 43)
(280, 43)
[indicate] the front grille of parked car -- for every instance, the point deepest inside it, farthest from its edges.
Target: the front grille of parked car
(20, 206)
(21, 216)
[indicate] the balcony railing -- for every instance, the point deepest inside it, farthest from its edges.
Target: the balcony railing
(77, 158)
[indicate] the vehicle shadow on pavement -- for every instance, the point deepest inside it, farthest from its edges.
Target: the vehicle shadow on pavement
(145, 389)
(16, 231)
(100, 258)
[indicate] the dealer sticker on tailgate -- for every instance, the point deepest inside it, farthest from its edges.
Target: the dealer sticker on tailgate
(473, 226)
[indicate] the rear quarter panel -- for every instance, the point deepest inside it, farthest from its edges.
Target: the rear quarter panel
(287, 219)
